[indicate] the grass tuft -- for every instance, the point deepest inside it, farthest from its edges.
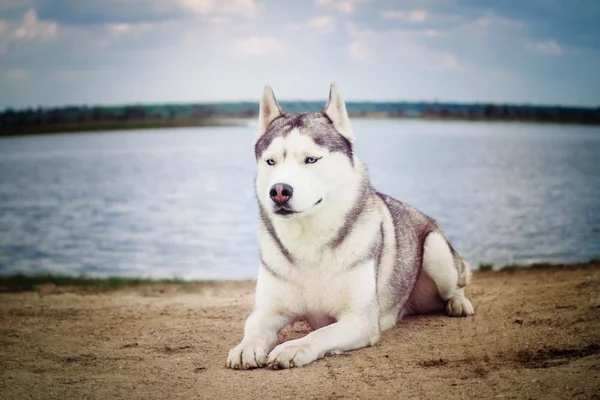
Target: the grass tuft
(20, 282)
(510, 267)
(540, 265)
(45, 282)
(486, 267)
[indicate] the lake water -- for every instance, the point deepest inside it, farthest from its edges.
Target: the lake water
(180, 202)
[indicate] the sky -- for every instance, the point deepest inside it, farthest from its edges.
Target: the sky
(61, 52)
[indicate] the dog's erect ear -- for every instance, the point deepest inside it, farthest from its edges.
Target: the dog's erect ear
(335, 109)
(268, 111)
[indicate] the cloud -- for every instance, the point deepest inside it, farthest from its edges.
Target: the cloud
(29, 28)
(491, 20)
(324, 24)
(485, 27)
(346, 7)
(112, 51)
(32, 28)
(548, 47)
(352, 30)
(220, 20)
(259, 45)
(246, 8)
(405, 44)
(356, 51)
(432, 32)
(119, 30)
(398, 46)
(199, 6)
(341, 6)
(419, 15)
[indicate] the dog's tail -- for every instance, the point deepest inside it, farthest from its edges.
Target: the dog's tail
(462, 266)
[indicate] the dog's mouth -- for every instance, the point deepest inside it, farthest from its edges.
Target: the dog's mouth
(285, 211)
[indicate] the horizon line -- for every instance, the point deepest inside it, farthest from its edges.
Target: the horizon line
(283, 100)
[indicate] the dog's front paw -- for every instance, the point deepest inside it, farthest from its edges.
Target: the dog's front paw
(294, 353)
(247, 356)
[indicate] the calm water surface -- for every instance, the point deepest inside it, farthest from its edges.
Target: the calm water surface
(180, 202)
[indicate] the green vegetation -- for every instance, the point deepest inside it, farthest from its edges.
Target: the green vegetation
(512, 267)
(84, 118)
(509, 267)
(19, 283)
(547, 265)
(540, 265)
(486, 267)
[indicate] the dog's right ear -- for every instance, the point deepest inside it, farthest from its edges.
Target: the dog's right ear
(268, 111)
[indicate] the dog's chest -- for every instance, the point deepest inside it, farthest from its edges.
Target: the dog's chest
(323, 285)
(320, 279)
(318, 292)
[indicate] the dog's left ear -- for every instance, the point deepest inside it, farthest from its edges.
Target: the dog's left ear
(335, 109)
(268, 111)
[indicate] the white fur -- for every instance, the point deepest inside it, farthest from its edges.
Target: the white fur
(314, 291)
(347, 308)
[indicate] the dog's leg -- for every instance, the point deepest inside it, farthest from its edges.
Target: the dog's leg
(352, 331)
(356, 326)
(262, 327)
(388, 320)
(443, 280)
(260, 336)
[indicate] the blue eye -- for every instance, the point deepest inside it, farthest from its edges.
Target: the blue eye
(270, 162)
(311, 160)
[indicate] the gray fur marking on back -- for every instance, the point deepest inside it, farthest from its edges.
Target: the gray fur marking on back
(380, 255)
(374, 253)
(411, 228)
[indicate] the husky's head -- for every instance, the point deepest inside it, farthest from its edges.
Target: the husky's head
(305, 161)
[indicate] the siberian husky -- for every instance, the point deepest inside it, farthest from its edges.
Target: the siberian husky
(349, 260)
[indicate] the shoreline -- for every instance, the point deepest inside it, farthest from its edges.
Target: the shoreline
(27, 131)
(15, 283)
(38, 130)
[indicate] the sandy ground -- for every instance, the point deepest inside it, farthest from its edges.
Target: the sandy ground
(536, 335)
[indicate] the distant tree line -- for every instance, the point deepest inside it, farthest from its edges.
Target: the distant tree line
(37, 120)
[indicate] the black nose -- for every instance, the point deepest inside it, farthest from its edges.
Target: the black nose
(281, 193)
